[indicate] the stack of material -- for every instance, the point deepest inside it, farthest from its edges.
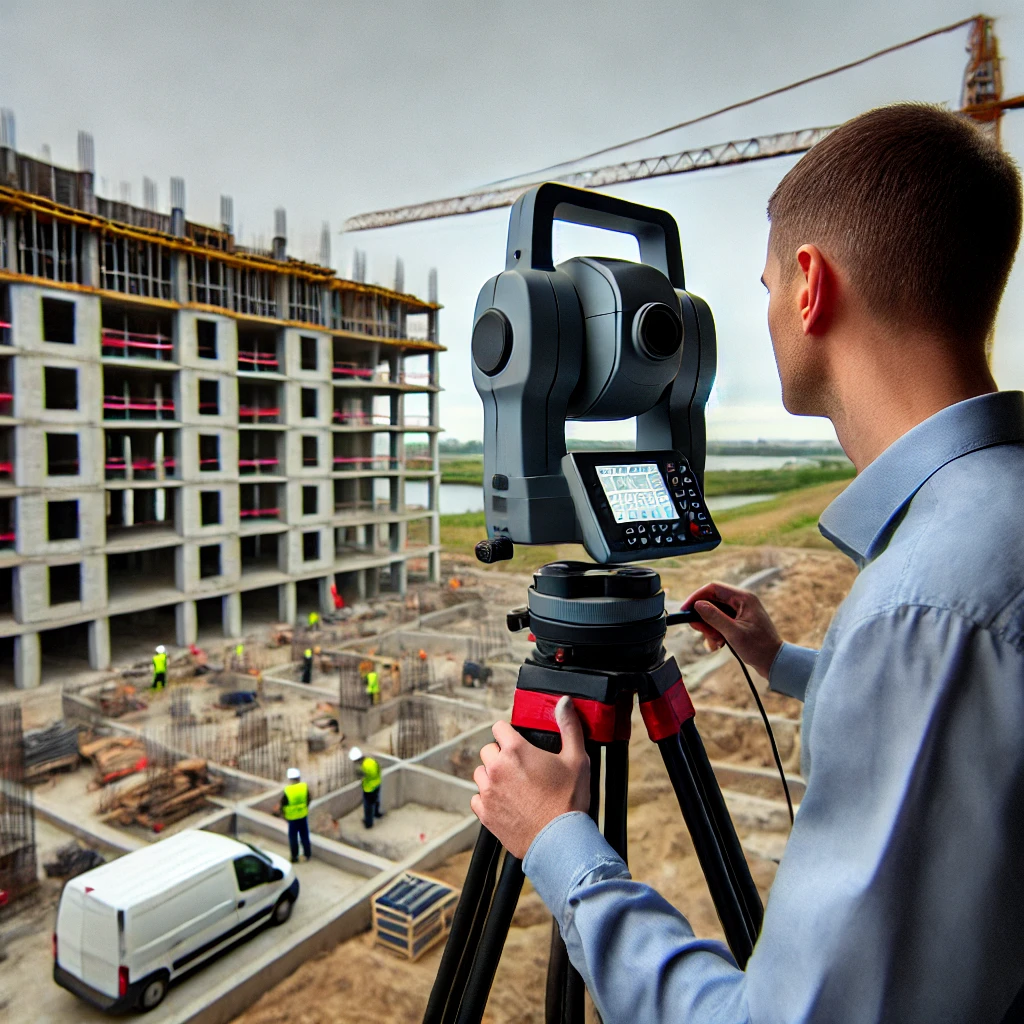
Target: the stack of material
(71, 860)
(412, 914)
(167, 795)
(119, 700)
(50, 749)
(114, 757)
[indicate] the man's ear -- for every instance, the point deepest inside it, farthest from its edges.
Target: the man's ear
(816, 294)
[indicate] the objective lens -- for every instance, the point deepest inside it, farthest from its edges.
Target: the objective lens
(657, 330)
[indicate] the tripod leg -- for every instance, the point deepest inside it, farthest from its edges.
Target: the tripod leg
(729, 842)
(467, 924)
(728, 901)
(485, 963)
(616, 784)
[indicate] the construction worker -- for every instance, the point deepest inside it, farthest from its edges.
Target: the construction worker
(313, 620)
(160, 668)
(239, 657)
(295, 808)
(307, 665)
(373, 686)
(371, 786)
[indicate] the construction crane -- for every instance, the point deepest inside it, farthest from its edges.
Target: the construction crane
(981, 99)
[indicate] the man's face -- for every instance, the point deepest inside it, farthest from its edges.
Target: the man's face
(796, 354)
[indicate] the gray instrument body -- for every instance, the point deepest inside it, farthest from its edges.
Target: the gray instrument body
(590, 339)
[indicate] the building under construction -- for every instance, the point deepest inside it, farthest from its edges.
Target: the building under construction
(194, 435)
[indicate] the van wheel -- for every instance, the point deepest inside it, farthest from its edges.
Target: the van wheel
(154, 988)
(282, 911)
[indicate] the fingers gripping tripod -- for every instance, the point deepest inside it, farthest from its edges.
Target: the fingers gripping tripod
(599, 634)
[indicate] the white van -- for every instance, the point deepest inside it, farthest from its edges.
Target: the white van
(127, 929)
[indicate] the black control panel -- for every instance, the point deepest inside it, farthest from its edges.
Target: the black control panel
(638, 505)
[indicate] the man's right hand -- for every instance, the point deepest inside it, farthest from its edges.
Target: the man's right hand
(751, 633)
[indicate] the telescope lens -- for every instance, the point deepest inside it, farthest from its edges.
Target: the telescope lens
(657, 330)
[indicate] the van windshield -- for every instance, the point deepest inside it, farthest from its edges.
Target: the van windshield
(260, 853)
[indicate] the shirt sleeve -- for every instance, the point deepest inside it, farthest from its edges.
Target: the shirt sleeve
(899, 897)
(791, 670)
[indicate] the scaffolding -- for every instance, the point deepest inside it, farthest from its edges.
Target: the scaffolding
(17, 811)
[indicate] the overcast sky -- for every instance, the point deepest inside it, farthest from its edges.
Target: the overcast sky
(333, 109)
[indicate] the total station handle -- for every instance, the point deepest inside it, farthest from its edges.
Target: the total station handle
(532, 222)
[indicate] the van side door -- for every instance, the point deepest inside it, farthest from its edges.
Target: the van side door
(256, 896)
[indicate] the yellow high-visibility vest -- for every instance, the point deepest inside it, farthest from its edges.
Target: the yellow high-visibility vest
(159, 663)
(308, 653)
(239, 650)
(314, 618)
(371, 775)
(297, 795)
(372, 683)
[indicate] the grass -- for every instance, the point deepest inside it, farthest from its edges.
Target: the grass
(789, 520)
(470, 470)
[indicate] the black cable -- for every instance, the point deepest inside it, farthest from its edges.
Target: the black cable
(767, 725)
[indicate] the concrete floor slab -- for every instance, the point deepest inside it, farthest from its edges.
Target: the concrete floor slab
(400, 833)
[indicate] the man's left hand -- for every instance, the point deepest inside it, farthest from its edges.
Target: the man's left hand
(522, 787)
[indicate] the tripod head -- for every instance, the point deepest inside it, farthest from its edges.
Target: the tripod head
(593, 339)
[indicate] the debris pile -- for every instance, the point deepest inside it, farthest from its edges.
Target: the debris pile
(114, 757)
(119, 699)
(50, 749)
(71, 860)
(165, 796)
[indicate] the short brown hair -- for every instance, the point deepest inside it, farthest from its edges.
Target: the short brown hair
(921, 209)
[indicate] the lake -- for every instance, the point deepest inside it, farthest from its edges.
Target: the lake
(458, 498)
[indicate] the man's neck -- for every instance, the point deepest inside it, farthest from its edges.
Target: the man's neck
(879, 397)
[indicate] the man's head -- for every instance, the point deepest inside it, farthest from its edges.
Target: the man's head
(907, 218)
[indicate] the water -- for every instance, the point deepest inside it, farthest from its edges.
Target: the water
(458, 498)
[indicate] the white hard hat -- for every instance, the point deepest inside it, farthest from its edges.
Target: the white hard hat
(293, 773)
(160, 649)
(355, 754)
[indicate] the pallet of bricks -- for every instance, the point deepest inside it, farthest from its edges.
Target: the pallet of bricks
(412, 914)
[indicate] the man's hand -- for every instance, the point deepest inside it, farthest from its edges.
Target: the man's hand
(522, 787)
(751, 633)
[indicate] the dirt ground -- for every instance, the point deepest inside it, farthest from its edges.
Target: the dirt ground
(357, 983)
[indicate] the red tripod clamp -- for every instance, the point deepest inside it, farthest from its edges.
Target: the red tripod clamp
(603, 701)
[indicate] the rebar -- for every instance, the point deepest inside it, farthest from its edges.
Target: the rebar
(17, 810)
(416, 729)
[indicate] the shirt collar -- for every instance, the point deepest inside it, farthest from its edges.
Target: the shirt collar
(858, 521)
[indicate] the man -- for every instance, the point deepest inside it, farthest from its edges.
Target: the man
(307, 665)
(370, 771)
(900, 895)
(295, 808)
(373, 686)
(160, 668)
(313, 620)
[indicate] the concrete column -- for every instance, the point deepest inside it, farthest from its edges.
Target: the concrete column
(99, 643)
(91, 259)
(435, 566)
(361, 584)
(12, 244)
(373, 582)
(324, 593)
(185, 623)
(400, 577)
(179, 276)
(287, 610)
(27, 665)
(232, 614)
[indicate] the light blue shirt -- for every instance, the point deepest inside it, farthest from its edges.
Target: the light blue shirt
(900, 896)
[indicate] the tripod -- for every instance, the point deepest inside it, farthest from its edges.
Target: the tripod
(599, 634)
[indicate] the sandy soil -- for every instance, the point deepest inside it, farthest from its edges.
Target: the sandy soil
(358, 983)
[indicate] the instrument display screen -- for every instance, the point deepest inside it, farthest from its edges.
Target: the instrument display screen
(636, 492)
